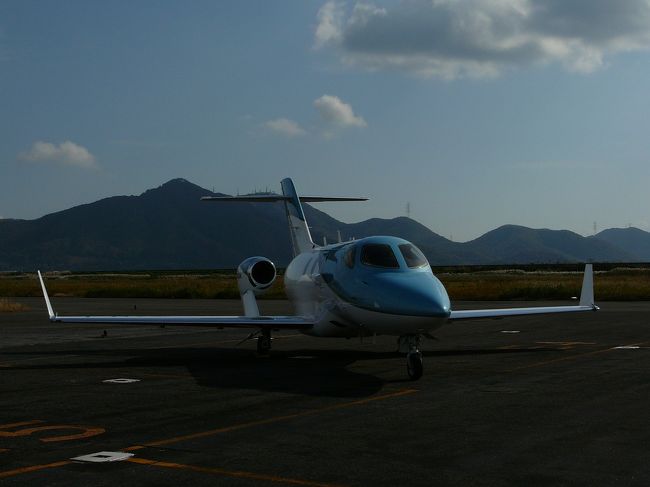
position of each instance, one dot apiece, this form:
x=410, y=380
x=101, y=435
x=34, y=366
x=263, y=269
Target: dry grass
x=614, y=285
x=7, y=306
x=178, y=286
x=618, y=284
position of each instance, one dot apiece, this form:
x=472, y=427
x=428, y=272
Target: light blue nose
x=410, y=293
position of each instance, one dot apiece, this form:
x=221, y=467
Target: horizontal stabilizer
x=272, y=198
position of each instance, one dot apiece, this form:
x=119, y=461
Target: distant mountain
x=631, y=240
x=517, y=244
x=170, y=228
x=163, y=228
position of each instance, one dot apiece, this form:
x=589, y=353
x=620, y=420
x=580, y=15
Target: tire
x=263, y=344
x=414, y=365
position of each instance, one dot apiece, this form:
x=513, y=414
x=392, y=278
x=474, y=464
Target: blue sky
x=478, y=113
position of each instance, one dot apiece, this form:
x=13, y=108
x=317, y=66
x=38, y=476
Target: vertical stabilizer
x=300, y=236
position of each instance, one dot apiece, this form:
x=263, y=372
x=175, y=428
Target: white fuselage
x=335, y=316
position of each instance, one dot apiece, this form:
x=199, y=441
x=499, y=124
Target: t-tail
x=301, y=240
x=298, y=229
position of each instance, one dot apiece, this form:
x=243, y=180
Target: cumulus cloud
x=285, y=127
x=479, y=38
x=330, y=18
x=66, y=153
x=334, y=111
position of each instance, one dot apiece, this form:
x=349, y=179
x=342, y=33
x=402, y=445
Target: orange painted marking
x=248, y=475
x=16, y=425
x=32, y=468
x=230, y=473
x=275, y=419
x=2, y=450
x=86, y=432
x=133, y=448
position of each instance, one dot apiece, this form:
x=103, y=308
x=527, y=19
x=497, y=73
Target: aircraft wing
x=274, y=322
x=586, y=304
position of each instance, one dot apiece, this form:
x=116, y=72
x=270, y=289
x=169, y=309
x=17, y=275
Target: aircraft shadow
x=305, y=371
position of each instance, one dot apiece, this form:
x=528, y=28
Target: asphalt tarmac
x=557, y=400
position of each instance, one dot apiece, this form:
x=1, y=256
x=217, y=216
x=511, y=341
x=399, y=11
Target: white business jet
x=370, y=286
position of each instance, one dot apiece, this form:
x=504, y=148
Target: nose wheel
x=414, y=365
x=411, y=345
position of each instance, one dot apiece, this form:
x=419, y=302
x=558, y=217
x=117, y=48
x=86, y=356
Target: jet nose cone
x=414, y=294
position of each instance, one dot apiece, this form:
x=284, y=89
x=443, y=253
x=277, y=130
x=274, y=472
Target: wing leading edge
x=275, y=322
x=586, y=304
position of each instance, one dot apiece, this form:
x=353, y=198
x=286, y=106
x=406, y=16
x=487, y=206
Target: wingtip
x=587, y=292
x=50, y=310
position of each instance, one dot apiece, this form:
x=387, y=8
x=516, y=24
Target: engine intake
x=255, y=274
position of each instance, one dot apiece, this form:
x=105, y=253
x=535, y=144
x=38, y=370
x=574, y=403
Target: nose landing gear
x=411, y=344
x=414, y=365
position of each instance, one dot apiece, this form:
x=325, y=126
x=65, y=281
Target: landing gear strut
x=410, y=344
x=264, y=342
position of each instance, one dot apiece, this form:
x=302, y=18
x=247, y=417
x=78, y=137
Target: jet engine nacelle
x=255, y=274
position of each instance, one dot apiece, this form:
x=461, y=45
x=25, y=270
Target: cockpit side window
x=379, y=255
x=349, y=257
x=413, y=256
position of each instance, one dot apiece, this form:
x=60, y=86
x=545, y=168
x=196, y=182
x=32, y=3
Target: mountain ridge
x=168, y=227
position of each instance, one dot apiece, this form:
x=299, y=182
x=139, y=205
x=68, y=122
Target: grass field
x=7, y=306
x=614, y=284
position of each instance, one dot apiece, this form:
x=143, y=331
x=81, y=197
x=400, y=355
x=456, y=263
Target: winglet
x=587, y=293
x=50, y=311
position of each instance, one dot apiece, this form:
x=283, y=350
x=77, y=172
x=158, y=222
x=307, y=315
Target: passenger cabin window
x=379, y=255
x=349, y=257
x=413, y=256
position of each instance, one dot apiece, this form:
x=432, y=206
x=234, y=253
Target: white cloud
x=482, y=38
x=334, y=111
x=330, y=18
x=284, y=126
x=66, y=153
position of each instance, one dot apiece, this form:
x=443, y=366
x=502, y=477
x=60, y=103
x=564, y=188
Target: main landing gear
x=264, y=342
x=410, y=344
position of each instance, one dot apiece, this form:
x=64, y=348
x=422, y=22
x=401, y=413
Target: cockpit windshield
x=412, y=255
x=379, y=255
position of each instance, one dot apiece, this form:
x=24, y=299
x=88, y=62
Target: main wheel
x=414, y=365
x=264, y=344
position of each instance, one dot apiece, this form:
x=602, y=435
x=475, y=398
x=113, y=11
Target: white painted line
x=627, y=347
x=120, y=381
x=510, y=331
x=104, y=456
